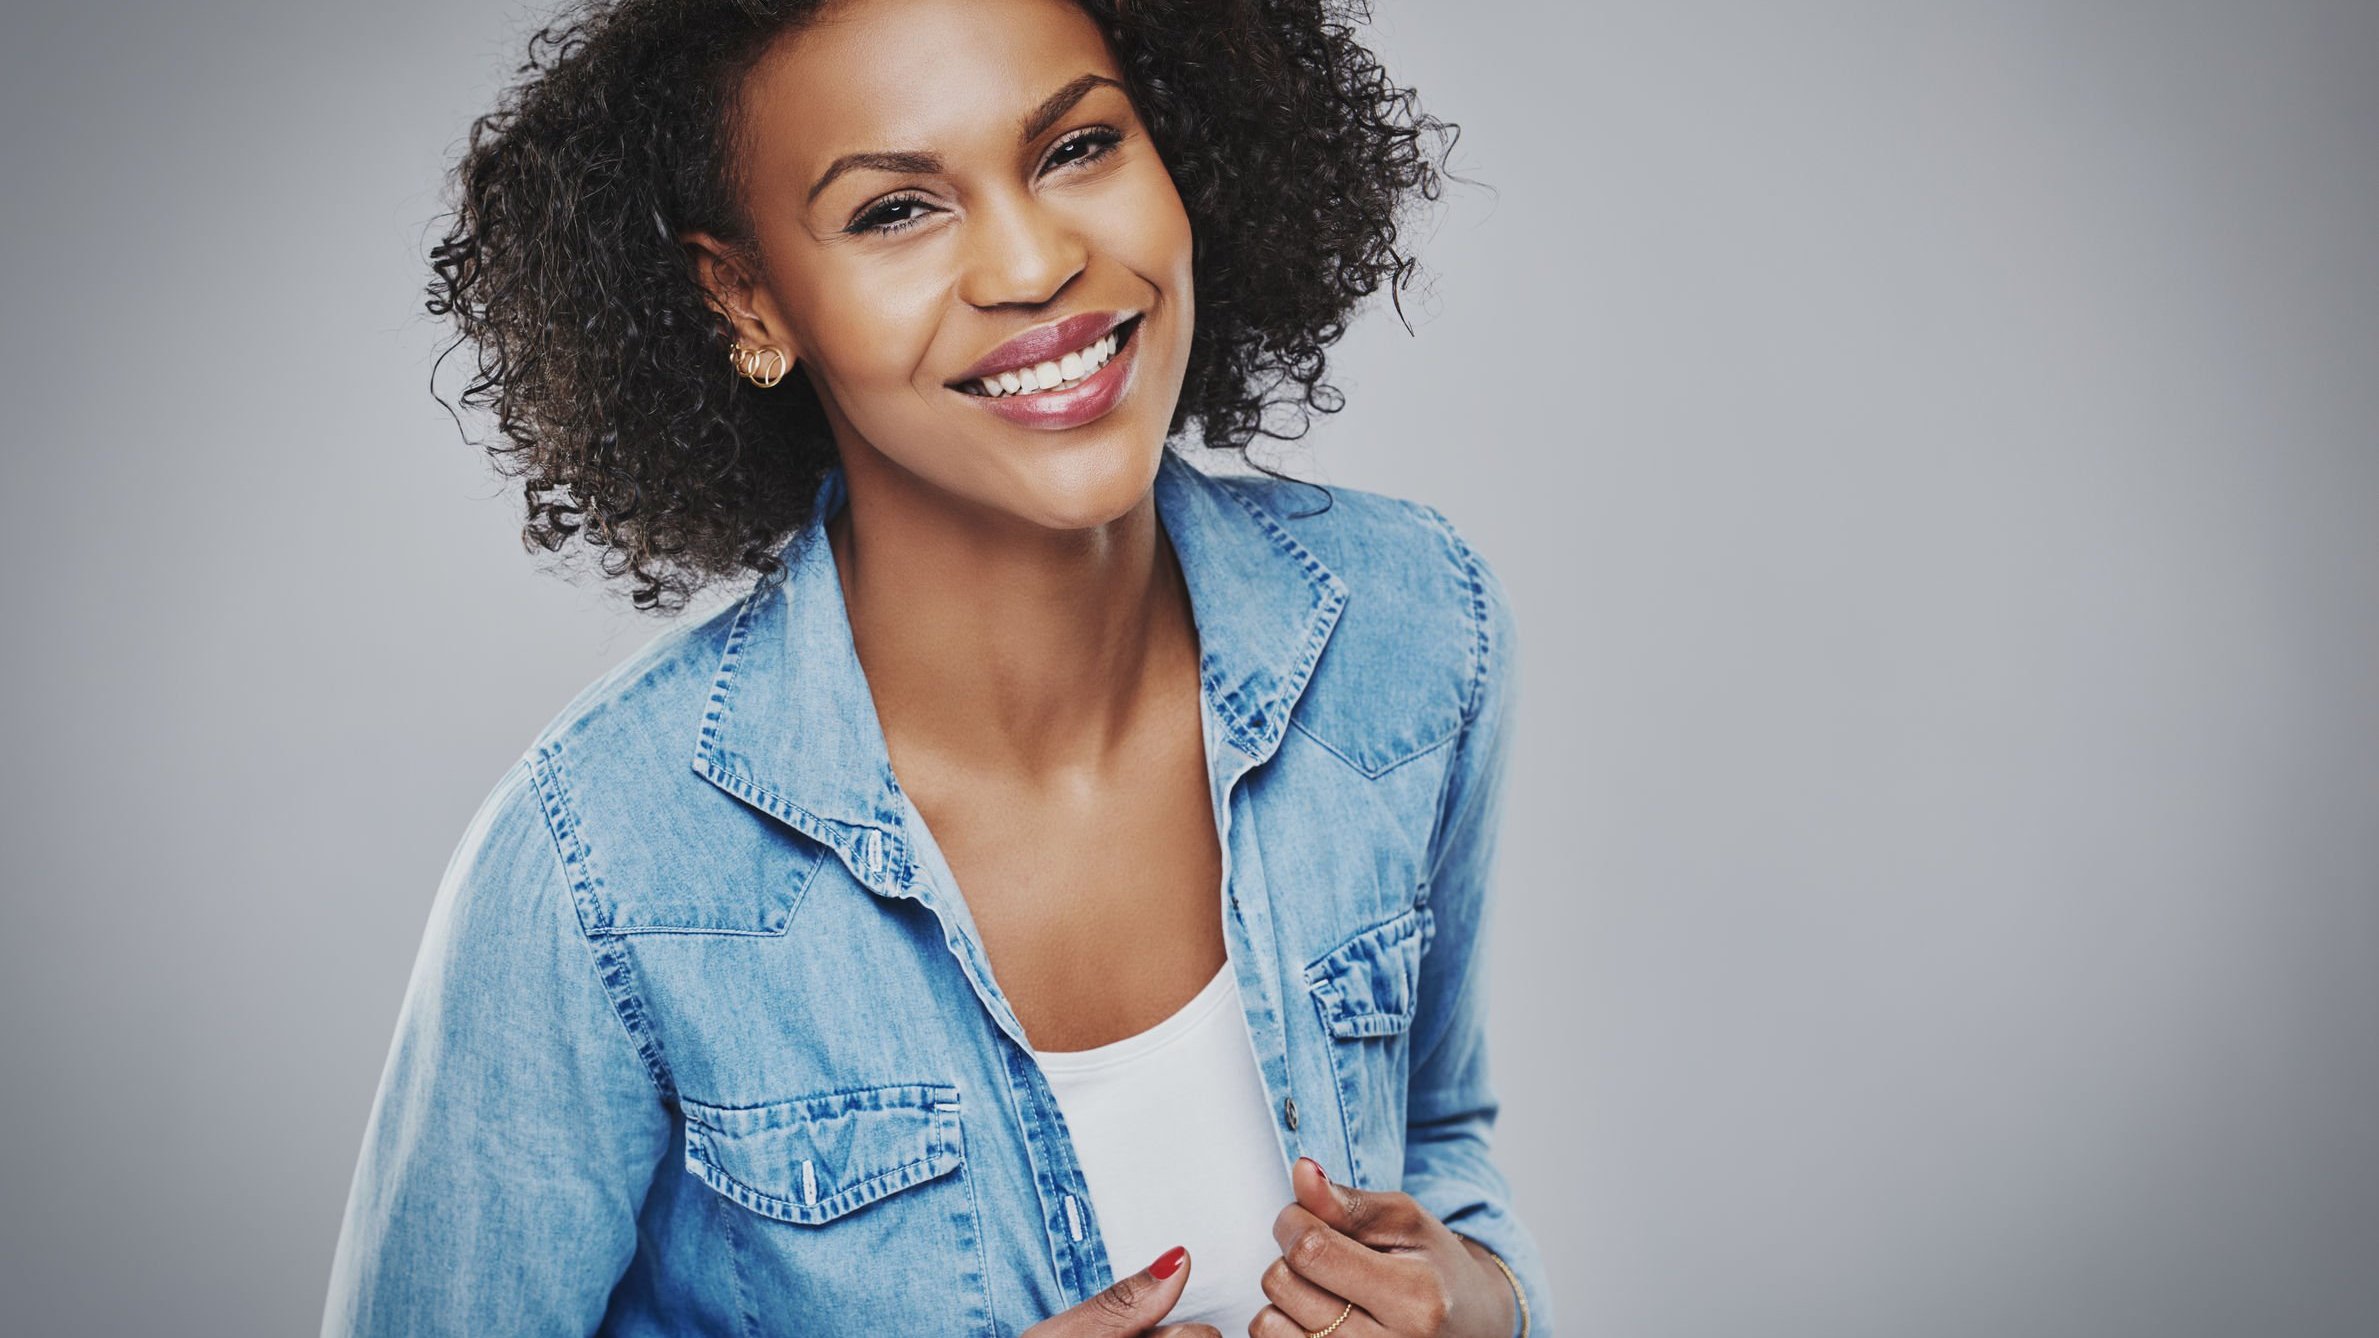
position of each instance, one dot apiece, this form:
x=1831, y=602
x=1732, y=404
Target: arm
x=1451, y=1100
x=516, y=1126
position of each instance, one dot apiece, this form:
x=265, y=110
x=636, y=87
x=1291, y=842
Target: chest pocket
x=820, y=1195
x=1366, y=990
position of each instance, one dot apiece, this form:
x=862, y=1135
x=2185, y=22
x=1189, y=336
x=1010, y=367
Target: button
x=1288, y=1108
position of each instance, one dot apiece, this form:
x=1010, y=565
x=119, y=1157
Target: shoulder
x=505, y=862
x=549, y=837
x=1426, y=629
x=655, y=698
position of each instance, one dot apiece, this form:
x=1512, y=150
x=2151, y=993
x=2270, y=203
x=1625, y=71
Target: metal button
x=1288, y=1107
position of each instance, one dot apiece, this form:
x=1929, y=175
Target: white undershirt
x=1175, y=1137
x=1174, y=1132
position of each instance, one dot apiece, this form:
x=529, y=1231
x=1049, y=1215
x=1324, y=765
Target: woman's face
x=929, y=179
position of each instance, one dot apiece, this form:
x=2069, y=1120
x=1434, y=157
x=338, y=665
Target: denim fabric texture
x=694, y=1045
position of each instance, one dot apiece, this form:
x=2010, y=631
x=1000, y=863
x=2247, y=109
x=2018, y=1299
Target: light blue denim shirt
x=694, y=1045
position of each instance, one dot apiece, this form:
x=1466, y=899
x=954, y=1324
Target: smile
x=1067, y=391
x=1056, y=374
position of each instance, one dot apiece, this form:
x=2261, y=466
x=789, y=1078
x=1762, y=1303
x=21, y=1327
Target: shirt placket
x=1077, y=1249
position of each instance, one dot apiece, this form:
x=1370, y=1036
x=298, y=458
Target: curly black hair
x=1296, y=158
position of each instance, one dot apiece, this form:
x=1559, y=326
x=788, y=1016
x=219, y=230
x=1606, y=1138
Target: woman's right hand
x=1130, y=1308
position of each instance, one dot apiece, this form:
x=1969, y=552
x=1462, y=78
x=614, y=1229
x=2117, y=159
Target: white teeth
x=1061, y=374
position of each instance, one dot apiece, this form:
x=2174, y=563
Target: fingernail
x=1317, y=1168
x=1167, y=1262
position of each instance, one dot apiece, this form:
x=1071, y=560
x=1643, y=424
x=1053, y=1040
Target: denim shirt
x=693, y=1044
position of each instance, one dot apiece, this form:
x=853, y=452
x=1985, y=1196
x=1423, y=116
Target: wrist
x=1502, y=1288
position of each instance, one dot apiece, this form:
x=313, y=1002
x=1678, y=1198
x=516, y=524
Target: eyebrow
x=920, y=161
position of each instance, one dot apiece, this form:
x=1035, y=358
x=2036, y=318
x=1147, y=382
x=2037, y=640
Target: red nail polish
x=1167, y=1262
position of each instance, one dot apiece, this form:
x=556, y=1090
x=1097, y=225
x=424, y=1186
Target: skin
x=1023, y=624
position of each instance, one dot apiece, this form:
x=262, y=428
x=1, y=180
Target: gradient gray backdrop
x=1933, y=450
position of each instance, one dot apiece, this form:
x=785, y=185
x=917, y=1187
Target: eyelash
x=1101, y=135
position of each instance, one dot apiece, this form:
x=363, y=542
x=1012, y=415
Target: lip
x=1056, y=409
x=1047, y=343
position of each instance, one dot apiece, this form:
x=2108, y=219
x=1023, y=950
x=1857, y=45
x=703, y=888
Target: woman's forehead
x=892, y=75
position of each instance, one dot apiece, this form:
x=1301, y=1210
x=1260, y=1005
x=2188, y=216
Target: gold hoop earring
x=747, y=360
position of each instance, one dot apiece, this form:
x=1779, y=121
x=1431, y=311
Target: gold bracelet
x=1514, y=1279
x=1517, y=1291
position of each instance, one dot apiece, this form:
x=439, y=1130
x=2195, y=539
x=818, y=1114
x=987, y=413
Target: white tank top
x=1174, y=1133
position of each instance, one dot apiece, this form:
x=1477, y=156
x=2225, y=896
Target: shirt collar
x=791, y=728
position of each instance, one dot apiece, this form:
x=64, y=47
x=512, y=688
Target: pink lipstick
x=1074, y=394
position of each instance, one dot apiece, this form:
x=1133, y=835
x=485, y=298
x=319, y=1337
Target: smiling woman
x=896, y=233
x=704, y=1034
x=1252, y=150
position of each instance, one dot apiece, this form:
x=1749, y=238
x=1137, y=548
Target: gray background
x=1933, y=450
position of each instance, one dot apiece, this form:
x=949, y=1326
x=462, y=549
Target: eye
x=882, y=216
x=1099, y=140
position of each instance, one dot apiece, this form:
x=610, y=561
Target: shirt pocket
x=846, y=1211
x=1366, y=991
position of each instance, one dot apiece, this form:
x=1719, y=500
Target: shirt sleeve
x=516, y=1127
x=1451, y=1102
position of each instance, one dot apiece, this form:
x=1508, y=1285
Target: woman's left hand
x=1408, y=1274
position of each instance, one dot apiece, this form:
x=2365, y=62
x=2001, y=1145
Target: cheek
x=1151, y=236
x=872, y=331
x=863, y=320
x=1154, y=228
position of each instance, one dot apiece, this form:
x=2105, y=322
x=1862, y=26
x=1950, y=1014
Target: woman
x=704, y=1036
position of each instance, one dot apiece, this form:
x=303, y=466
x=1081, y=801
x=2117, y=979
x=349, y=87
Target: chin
x=1081, y=490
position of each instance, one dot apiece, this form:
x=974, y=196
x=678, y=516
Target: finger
x=1375, y=1280
x=1131, y=1305
x=1378, y=1218
x=1331, y=1260
x=1273, y=1322
x=1308, y=1306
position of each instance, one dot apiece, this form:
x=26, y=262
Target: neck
x=996, y=647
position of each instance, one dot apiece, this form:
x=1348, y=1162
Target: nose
x=1020, y=251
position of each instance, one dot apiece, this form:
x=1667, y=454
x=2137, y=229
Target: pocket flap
x=1367, y=986
x=815, y=1158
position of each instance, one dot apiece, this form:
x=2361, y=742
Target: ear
x=733, y=288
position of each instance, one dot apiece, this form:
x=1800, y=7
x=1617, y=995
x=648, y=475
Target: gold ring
x=1350, y=1309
